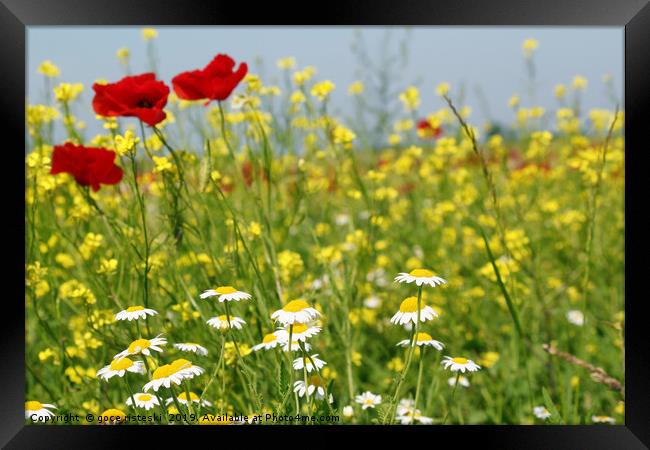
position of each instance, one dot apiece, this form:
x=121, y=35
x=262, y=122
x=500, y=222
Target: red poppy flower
x=427, y=131
x=215, y=82
x=90, y=166
x=140, y=96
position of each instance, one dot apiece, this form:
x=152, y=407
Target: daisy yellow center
x=225, y=290
x=144, y=397
x=421, y=273
x=368, y=401
x=33, y=405
x=424, y=337
x=315, y=381
x=164, y=371
x=460, y=360
x=121, y=364
x=224, y=318
x=193, y=396
x=191, y=344
x=181, y=364
x=299, y=328
x=113, y=412
x=410, y=305
x=139, y=345
x=295, y=306
x=134, y=308
x=269, y=338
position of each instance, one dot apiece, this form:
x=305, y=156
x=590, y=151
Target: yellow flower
x=513, y=102
x=149, y=34
x=410, y=98
x=344, y=136
x=48, y=69
x=396, y=364
x=579, y=83
x=126, y=144
x=107, y=266
x=162, y=164
x=322, y=90
x=442, y=89
x=529, y=46
x=489, y=359
x=291, y=265
x=123, y=55
x=286, y=63
x=356, y=88
x=66, y=92
x=560, y=91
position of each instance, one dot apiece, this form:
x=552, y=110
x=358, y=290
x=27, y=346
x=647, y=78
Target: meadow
x=233, y=243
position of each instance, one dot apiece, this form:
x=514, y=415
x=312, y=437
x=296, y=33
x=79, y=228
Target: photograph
x=325, y=225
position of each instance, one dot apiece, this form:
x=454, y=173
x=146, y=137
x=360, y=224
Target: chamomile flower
x=226, y=294
x=308, y=362
x=462, y=381
x=38, y=411
x=423, y=339
x=301, y=332
x=119, y=367
x=409, y=416
x=408, y=312
x=296, y=311
x=223, y=322
x=268, y=342
x=182, y=399
x=175, y=372
x=143, y=400
x=143, y=346
x=603, y=419
x=576, y=317
x=420, y=277
x=368, y=400
x=111, y=416
x=134, y=313
x=191, y=347
x=314, y=384
x=541, y=412
x=462, y=364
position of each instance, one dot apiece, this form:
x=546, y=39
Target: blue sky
x=485, y=57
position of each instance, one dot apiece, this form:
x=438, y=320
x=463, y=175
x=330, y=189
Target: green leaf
x=555, y=418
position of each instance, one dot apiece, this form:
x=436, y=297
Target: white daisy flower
x=420, y=276
x=143, y=346
x=423, y=339
x=368, y=400
x=226, y=294
x=462, y=381
x=575, y=317
x=408, y=417
x=143, y=400
x=300, y=332
x=268, y=342
x=308, y=362
x=541, y=412
x=221, y=322
x=372, y=302
x=314, y=384
x=182, y=399
x=404, y=405
x=175, y=372
x=408, y=312
x=134, y=313
x=296, y=311
x=38, y=411
x=603, y=419
x=191, y=347
x=462, y=364
x=119, y=367
x=295, y=346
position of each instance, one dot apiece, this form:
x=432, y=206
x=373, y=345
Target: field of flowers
x=229, y=248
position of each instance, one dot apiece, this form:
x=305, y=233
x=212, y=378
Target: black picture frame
x=632, y=15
